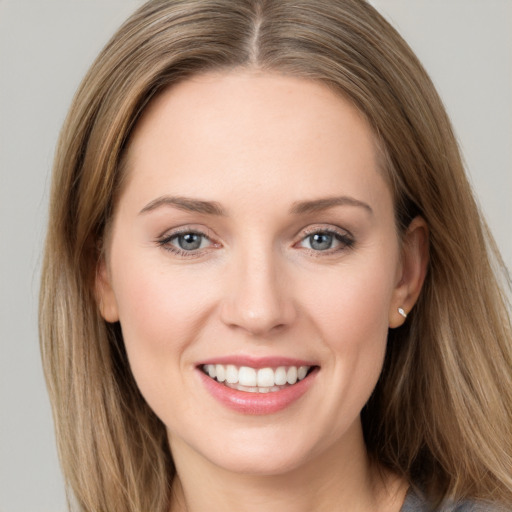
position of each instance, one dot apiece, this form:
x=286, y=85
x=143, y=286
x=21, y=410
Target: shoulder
x=416, y=502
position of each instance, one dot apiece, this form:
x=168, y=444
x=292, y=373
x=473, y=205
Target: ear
x=104, y=293
x=411, y=272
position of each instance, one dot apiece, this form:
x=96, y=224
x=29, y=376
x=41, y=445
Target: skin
x=256, y=144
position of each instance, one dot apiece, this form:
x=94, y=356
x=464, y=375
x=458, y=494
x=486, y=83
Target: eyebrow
x=214, y=208
x=302, y=207
x=185, y=203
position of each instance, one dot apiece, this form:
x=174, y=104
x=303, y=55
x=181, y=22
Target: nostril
x=255, y=322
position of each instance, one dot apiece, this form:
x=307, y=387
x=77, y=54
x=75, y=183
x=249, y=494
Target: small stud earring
x=402, y=312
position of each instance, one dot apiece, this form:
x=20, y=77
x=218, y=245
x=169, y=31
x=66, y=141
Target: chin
x=261, y=462
x=261, y=452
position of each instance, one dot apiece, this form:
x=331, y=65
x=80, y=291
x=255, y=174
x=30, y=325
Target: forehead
x=248, y=129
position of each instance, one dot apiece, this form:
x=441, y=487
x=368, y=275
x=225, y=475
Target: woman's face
x=255, y=240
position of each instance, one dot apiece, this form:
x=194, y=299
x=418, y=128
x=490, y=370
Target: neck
x=342, y=478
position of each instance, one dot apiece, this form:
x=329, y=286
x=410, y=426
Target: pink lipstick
x=257, y=386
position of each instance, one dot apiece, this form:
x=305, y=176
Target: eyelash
x=345, y=239
x=166, y=243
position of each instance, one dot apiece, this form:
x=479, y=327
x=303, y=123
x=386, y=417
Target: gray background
x=46, y=47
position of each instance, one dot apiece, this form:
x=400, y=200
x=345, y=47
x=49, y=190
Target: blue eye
x=326, y=241
x=189, y=241
x=321, y=241
x=185, y=243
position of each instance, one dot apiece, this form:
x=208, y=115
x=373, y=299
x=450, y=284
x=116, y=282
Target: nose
x=258, y=299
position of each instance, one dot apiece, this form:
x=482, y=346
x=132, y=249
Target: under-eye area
x=252, y=380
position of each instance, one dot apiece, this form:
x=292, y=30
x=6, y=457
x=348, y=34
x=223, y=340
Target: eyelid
x=344, y=236
x=323, y=228
x=315, y=228
x=164, y=241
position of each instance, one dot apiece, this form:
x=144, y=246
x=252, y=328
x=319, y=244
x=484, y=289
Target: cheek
x=161, y=313
x=351, y=314
x=354, y=302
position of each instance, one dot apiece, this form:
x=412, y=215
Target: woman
x=266, y=281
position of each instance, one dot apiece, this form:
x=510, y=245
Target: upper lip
x=257, y=362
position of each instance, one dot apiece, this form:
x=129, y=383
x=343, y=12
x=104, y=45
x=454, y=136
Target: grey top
x=415, y=502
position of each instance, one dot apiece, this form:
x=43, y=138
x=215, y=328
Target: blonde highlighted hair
x=441, y=414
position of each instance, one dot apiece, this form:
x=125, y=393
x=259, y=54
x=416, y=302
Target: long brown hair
x=441, y=414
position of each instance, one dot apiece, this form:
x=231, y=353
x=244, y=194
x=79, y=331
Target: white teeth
x=280, y=376
x=262, y=380
x=231, y=374
x=291, y=375
x=247, y=376
x=211, y=370
x=221, y=372
x=251, y=389
x=266, y=377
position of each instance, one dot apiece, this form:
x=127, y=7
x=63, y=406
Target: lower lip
x=257, y=403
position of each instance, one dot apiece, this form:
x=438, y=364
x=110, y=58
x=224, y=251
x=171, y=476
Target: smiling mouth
x=252, y=380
